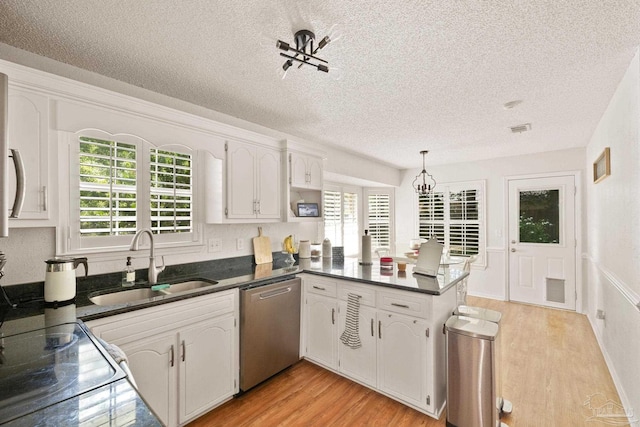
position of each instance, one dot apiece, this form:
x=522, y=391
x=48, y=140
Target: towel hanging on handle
x=351, y=336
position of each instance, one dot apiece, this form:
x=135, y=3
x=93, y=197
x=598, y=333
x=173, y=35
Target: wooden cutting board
x=262, y=248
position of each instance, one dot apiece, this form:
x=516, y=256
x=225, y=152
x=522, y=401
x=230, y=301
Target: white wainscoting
x=618, y=334
x=490, y=282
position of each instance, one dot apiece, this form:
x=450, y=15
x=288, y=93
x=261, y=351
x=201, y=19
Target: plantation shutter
x=350, y=223
x=108, y=181
x=379, y=219
x=454, y=214
x=431, y=216
x=171, y=192
x=465, y=221
x=333, y=217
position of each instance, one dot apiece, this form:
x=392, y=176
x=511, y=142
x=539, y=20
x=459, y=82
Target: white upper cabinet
x=28, y=132
x=253, y=182
x=306, y=171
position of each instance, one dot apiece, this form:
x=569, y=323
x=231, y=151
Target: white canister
x=304, y=249
x=326, y=248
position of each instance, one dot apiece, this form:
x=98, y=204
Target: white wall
x=489, y=282
x=612, y=256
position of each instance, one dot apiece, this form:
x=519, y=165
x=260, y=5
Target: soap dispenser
x=128, y=274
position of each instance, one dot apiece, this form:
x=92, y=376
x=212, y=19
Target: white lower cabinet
x=403, y=356
x=360, y=363
x=206, y=366
x=402, y=352
x=320, y=329
x=183, y=355
x=155, y=377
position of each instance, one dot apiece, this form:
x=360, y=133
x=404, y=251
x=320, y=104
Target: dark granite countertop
x=30, y=314
x=351, y=270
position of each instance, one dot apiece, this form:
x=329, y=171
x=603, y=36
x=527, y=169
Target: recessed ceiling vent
x=521, y=128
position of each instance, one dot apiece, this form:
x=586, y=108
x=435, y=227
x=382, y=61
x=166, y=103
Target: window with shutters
x=122, y=186
x=171, y=192
x=341, y=217
x=108, y=188
x=379, y=218
x=454, y=213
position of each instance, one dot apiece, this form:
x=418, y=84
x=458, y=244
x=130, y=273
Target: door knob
x=513, y=241
x=513, y=249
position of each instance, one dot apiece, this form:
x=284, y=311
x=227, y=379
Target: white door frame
x=577, y=175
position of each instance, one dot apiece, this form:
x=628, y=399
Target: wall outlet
x=214, y=245
x=239, y=244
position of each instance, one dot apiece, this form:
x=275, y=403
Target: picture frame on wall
x=602, y=166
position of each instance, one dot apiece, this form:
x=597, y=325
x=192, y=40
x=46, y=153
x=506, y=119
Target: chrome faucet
x=153, y=270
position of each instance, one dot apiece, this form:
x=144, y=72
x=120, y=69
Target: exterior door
x=542, y=241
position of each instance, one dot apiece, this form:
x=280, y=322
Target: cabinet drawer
x=408, y=303
x=367, y=294
x=320, y=287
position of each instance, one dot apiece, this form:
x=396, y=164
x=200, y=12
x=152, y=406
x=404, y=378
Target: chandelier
x=304, y=51
x=424, y=183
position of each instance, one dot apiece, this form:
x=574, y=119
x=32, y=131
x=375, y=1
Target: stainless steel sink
x=123, y=297
x=188, y=286
x=145, y=294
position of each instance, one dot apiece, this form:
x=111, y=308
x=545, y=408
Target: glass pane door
x=539, y=216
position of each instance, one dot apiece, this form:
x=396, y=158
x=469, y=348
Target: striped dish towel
x=351, y=337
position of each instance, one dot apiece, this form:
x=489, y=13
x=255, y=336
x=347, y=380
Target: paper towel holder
x=366, y=249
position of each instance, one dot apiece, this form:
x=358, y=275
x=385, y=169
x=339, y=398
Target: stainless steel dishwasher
x=269, y=330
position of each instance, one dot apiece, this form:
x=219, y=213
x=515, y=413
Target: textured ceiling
x=415, y=74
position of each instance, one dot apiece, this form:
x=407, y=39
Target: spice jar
x=316, y=250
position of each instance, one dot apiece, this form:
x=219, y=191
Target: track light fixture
x=304, y=51
x=424, y=182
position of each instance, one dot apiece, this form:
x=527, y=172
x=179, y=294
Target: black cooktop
x=42, y=367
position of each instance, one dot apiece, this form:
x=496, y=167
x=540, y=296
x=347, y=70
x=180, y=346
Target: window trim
x=68, y=240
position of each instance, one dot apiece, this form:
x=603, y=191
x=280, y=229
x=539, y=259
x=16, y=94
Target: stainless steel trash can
x=471, y=369
x=504, y=406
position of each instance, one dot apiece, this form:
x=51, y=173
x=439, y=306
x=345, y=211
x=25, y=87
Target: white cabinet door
x=241, y=178
x=314, y=169
x=206, y=366
x=306, y=171
x=320, y=334
x=268, y=184
x=153, y=363
x=299, y=171
x=253, y=182
x=28, y=132
x=403, y=358
x=360, y=363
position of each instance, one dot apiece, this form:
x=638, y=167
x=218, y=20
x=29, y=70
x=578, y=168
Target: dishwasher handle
x=275, y=292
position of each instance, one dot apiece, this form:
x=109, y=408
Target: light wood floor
x=551, y=365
